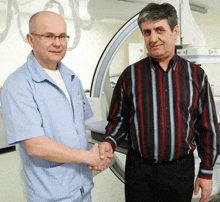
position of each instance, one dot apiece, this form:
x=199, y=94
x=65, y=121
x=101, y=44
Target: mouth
x=55, y=52
x=156, y=46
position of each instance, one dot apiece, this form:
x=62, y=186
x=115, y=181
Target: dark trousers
x=162, y=182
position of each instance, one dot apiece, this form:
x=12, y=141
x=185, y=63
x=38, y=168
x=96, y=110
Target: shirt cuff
x=112, y=143
x=205, y=173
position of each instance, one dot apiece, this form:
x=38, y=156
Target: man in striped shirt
x=165, y=106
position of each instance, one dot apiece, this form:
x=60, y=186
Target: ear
x=30, y=40
x=176, y=32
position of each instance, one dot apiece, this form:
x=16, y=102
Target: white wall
x=210, y=25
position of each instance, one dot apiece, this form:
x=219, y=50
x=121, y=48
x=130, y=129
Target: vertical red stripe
x=115, y=110
x=162, y=115
x=195, y=99
x=140, y=104
x=179, y=121
x=208, y=137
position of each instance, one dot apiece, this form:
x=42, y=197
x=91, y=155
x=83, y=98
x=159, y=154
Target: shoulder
x=18, y=79
x=196, y=68
x=137, y=65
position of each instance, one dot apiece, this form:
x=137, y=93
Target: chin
x=155, y=55
x=57, y=58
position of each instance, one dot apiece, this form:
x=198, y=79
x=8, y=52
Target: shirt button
x=168, y=126
x=82, y=190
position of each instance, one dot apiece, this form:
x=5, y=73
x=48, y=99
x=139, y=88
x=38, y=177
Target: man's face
x=49, y=53
x=159, y=39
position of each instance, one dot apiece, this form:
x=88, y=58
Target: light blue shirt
x=33, y=105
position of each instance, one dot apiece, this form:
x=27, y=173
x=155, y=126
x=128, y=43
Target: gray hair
x=155, y=11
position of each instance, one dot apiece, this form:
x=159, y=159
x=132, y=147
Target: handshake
x=100, y=156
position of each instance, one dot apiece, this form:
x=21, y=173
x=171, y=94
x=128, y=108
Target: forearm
x=51, y=150
x=208, y=155
x=208, y=132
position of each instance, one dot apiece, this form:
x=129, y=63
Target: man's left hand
x=206, y=187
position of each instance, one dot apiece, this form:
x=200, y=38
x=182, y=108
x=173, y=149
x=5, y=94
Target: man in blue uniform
x=44, y=109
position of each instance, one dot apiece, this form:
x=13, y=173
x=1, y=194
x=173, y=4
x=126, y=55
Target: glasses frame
x=53, y=38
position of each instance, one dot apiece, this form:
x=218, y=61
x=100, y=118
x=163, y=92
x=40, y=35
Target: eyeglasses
x=49, y=38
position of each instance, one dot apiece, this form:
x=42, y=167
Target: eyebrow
x=55, y=34
x=159, y=27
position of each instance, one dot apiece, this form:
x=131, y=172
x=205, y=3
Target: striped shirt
x=166, y=114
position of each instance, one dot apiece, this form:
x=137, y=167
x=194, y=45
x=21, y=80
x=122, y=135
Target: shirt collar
x=172, y=63
x=38, y=73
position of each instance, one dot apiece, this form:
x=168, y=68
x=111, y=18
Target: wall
x=210, y=25
x=82, y=60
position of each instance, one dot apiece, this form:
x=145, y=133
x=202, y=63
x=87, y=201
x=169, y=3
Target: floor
x=12, y=189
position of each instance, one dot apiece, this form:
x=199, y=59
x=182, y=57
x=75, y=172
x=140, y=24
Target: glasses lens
x=63, y=38
x=49, y=38
x=67, y=38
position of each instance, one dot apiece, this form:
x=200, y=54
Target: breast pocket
x=79, y=107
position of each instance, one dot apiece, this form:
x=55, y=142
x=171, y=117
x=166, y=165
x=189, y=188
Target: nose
x=56, y=41
x=153, y=37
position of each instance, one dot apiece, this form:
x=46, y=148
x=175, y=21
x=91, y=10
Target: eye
x=48, y=36
x=62, y=37
x=146, y=32
x=159, y=30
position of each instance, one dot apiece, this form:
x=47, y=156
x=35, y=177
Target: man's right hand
x=105, y=154
x=105, y=150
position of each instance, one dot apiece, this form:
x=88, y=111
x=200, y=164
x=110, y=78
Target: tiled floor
x=12, y=189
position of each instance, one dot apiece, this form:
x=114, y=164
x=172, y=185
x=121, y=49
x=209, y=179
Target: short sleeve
x=22, y=119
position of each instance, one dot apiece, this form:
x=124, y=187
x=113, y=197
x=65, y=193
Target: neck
x=50, y=66
x=164, y=62
x=46, y=65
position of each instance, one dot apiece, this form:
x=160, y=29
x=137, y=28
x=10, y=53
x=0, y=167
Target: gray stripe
x=121, y=105
x=116, y=129
x=113, y=140
x=135, y=109
x=190, y=104
x=206, y=171
x=212, y=126
x=200, y=101
x=120, y=123
x=172, y=123
x=155, y=115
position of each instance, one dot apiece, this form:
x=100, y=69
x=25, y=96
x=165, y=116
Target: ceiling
x=102, y=9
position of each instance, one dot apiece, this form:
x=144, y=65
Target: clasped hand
x=102, y=154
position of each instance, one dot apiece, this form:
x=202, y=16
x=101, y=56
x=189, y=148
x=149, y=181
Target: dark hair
x=155, y=11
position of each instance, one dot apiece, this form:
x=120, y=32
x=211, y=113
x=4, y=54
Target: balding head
x=37, y=20
x=47, y=52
